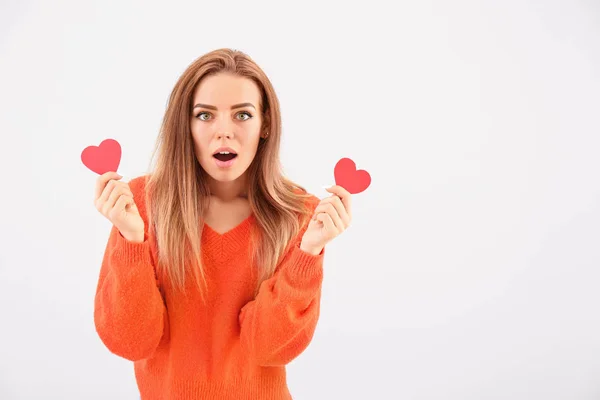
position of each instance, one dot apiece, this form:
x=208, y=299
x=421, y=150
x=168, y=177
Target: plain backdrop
x=471, y=270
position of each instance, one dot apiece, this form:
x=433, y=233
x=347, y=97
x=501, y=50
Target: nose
x=224, y=134
x=225, y=129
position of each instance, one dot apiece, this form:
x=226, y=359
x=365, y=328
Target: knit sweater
x=235, y=346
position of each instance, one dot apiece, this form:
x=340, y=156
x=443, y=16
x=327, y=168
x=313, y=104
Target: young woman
x=211, y=278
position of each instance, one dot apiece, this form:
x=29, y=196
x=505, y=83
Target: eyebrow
x=232, y=107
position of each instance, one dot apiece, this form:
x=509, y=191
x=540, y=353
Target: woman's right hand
x=114, y=200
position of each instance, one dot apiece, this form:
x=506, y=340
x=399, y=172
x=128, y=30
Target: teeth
x=224, y=152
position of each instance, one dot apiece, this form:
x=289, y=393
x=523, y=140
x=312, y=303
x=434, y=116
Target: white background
x=472, y=266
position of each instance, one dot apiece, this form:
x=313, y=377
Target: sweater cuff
x=306, y=266
x=127, y=252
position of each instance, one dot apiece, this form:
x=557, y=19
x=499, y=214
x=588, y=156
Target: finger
x=329, y=209
x=111, y=185
x=122, y=189
x=344, y=195
x=121, y=205
x=341, y=210
x=110, y=195
x=327, y=223
x=103, y=180
x=334, y=205
x=320, y=208
x=117, y=193
x=108, y=188
x=335, y=217
x=126, y=188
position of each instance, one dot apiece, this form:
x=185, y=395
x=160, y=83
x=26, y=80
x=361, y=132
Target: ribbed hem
x=260, y=388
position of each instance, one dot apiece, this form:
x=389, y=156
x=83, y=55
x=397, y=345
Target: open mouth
x=225, y=156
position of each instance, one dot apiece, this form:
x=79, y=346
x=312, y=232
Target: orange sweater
x=235, y=347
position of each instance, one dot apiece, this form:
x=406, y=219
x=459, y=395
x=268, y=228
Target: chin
x=225, y=177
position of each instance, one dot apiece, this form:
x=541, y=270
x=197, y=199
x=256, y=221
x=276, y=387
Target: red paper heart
x=103, y=158
x=349, y=178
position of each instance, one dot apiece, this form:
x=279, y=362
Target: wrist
x=310, y=249
x=134, y=238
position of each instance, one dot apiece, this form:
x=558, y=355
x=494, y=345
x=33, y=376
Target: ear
x=265, y=130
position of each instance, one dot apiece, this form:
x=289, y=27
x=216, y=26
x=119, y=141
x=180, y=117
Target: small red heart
x=349, y=178
x=103, y=158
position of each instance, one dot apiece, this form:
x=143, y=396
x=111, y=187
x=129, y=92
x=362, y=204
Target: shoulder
x=310, y=200
x=138, y=184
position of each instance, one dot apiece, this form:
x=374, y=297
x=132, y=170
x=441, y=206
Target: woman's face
x=226, y=114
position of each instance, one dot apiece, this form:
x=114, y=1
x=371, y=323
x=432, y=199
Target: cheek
x=253, y=135
x=250, y=144
x=200, y=145
x=199, y=136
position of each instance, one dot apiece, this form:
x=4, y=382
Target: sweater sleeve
x=129, y=311
x=278, y=325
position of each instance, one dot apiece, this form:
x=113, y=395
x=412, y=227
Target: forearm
x=129, y=312
x=279, y=324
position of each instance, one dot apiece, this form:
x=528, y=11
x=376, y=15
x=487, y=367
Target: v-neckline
x=220, y=247
x=231, y=231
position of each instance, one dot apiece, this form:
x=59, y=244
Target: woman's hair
x=177, y=190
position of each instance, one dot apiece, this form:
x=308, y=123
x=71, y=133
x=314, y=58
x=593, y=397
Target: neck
x=229, y=191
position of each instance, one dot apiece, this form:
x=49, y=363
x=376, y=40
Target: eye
x=199, y=116
x=247, y=113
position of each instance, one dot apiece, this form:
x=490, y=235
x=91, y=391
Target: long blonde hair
x=177, y=191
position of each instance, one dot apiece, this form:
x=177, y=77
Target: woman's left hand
x=332, y=216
